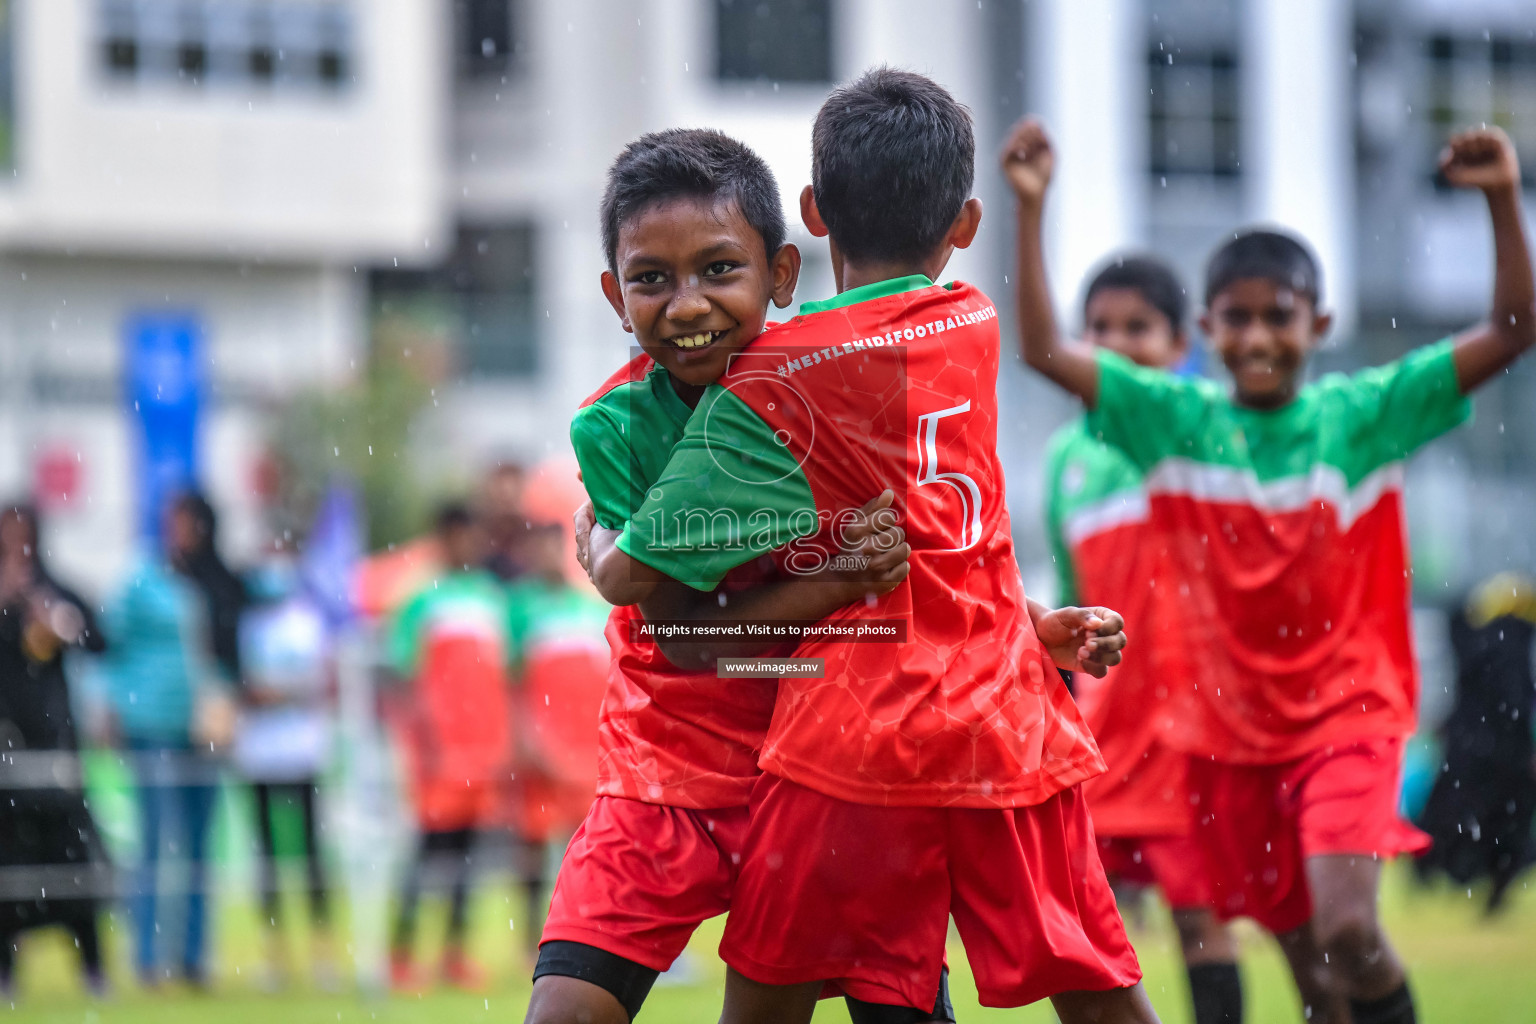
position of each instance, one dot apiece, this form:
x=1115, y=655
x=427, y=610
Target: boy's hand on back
x=1482, y=158
x=1083, y=639
x=583, y=520
x=1029, y=160
x=873, y=541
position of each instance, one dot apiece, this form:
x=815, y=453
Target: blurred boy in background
x=561, y=666
x=450, y=647
x=1107, y=553
x=1282, y=503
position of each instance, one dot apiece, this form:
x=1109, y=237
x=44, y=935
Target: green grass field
x=1464, y=968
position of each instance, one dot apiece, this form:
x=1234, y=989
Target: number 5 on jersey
x=928, y=473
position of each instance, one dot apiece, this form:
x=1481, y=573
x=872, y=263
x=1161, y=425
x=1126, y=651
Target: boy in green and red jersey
x=560, y=663
x=1108, y=553
x=1282, y=508
x=450, y=644
x=920, y=778
x=694, y=235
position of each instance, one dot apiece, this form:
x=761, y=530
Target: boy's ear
x=1181, y=339
x=785, y=268
x=963, y=231
x=810, y=215
x=1322, y=323
x=1205, y=323
x=615, y=296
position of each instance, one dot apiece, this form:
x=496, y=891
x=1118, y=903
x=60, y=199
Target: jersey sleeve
x=1055, y=525
x=731, y=492
x=1146, y=414
x=609, y=470
x=403, y=642
x=1402, y=406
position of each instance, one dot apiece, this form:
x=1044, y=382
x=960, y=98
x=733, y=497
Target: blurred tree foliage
x=364, y=432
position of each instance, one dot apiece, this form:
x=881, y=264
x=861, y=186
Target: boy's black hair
x=683, y=162
x=1268, y=255
x=1148, y=276
x=453, y=515
x=893, y=159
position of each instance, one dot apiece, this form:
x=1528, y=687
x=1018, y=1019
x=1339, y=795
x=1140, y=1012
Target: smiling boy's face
x=693, y=284
x=1264, y=333
x=1123, y=321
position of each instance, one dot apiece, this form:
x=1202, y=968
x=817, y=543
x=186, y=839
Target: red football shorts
x=638, y=878
x=861, y=896
x=1258, y=824
x=1175, y=864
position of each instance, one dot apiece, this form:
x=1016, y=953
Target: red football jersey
x=665, y=736
x=892, y=385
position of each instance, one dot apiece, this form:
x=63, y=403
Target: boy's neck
x=851, y=275
x=689, y=393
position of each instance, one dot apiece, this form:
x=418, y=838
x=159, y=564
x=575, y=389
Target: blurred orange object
x=386, y=579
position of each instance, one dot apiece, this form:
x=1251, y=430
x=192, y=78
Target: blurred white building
x=296, y=172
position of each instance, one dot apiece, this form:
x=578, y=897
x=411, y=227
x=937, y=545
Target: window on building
x=1481, y=79
x=232, y=43
x=486, y=39
x=782, y=41
x=1194, y=112
x=481, y=300
x=7, y=89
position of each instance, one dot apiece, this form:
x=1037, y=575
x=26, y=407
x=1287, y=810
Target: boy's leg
x=1322, y=999
x=455, y=850
x=319, y=904
x=1347, y=821
x=153, y=796
x=266, y=873
x=1037, y=915
x=197, y=804
x=636, y=881
x=1349, y=932
x=1117, y=1006
x=1177, y=865
x=403, y=938
x=752, y=1002
x=1210, y=961
x=832, y=891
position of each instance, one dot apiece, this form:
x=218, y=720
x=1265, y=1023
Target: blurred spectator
x=449, y=646
x=284, y=739
x=168, y=711
x=562, y=669
x=51, y=860
x=1480, y=809
x=196, y=556
x=501, y=512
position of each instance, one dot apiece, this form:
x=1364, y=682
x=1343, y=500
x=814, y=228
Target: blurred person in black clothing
x=195, y=554
x=1479, y=811
x=52, y=867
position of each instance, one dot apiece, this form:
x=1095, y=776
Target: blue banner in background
x=164, y=385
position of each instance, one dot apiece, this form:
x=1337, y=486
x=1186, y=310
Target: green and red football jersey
x=1107, y=553
x=451, y=641
x=1286, y=529
x=891, y=385
x=666, y=736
